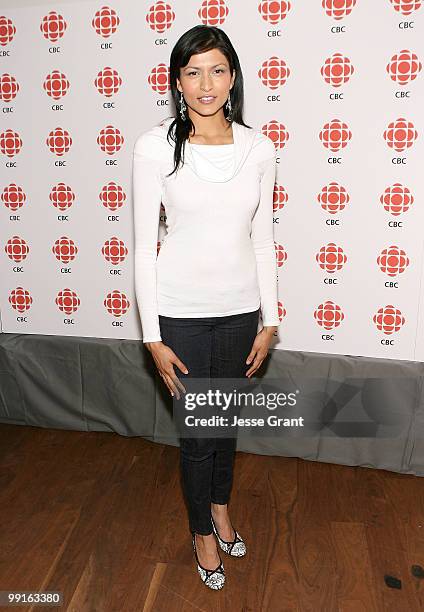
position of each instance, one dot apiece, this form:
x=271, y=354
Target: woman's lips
x=207, y=99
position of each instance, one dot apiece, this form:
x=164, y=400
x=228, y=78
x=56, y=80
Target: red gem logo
x=64, y=249
x=404, y=67
x=16, y=249
x=110, y=140
x=53, y=26
x=388, y=319
x=333, y=198
x=213, y=12
x=281, y=254
x=9, y=87
x=277, y=132
x=20, y=299
x=393, y=260
x=112, y=196
x=7, y=30
x=67, y=301
x=400, y=134
x=159, y=79
x=406, y=7
x=160, y=17
x=13, y=196
x=105, y=21
x=273, y=11
x=108, y=82
x=59, y=141
x=396, y=199
x=62, y=196
x=10, y=143
x=335, y=135
x=274, y=72
x=329, y=315
x=338, y=9
x=114, y=250
x=331, y=258
x=116, y=303
x=337, y=70
x=56, y=85
x=280, y=198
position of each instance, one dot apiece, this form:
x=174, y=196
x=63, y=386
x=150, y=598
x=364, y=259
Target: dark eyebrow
x=197, y=67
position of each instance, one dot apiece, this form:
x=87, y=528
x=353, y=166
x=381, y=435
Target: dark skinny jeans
x=210, y=347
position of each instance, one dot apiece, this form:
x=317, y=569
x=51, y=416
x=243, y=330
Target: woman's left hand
x=259, y=349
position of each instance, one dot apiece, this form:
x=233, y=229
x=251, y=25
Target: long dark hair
x=200, y=39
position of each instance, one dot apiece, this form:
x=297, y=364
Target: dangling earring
x=229, y=117
x=183, y=107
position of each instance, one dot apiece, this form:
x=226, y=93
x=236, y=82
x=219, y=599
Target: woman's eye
x=217, y=70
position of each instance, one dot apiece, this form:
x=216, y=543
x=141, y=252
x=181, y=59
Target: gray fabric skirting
x=372, y=410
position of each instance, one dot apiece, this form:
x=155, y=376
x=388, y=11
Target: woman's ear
x=233, y=78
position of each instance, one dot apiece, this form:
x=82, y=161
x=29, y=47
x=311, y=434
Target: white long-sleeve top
x=218, y=256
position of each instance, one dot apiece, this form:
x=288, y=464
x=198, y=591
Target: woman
x=201, y=296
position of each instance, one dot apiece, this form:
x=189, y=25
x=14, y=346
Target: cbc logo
x=113, y=197
x=337, y=70
x=335, y=135
x=406, y=7
x=400, y=134
x=9, y=87
x=158, y=79
x=108, y=81
x=16, y=249
x=13, y=196
x=160, y=17
x=404, y=67
x=110, y=140
x=276, y=132
x=56, y=85
x=389, y=320
x=7, y=30
x=274, y=12
x=281, y=311
x=105, y=22
x=20, y=299
x=114, y=250
x=338, y=9
x=62, y=196
x=53, y=26
x=393, y=260
x=213, y=12
x=117, y=304
x=280, y=198
x=331, y=258
x=328, y=315
x=274, y=72
x=59, y=141
x=281, y=254
x=10, y=143
x=67, y=301
x=64, y=249
x=396, y=199
x=333, y=198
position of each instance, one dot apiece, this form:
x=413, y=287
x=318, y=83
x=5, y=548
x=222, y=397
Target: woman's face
x=206, y=75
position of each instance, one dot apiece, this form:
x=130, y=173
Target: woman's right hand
x=164, y=358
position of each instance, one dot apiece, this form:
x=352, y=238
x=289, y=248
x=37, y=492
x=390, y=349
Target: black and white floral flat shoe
x=213, y=578
x=236, y=548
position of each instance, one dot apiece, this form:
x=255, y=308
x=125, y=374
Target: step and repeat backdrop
x=336, y=84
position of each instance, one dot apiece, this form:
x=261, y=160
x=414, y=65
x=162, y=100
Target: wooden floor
x=101, y=518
